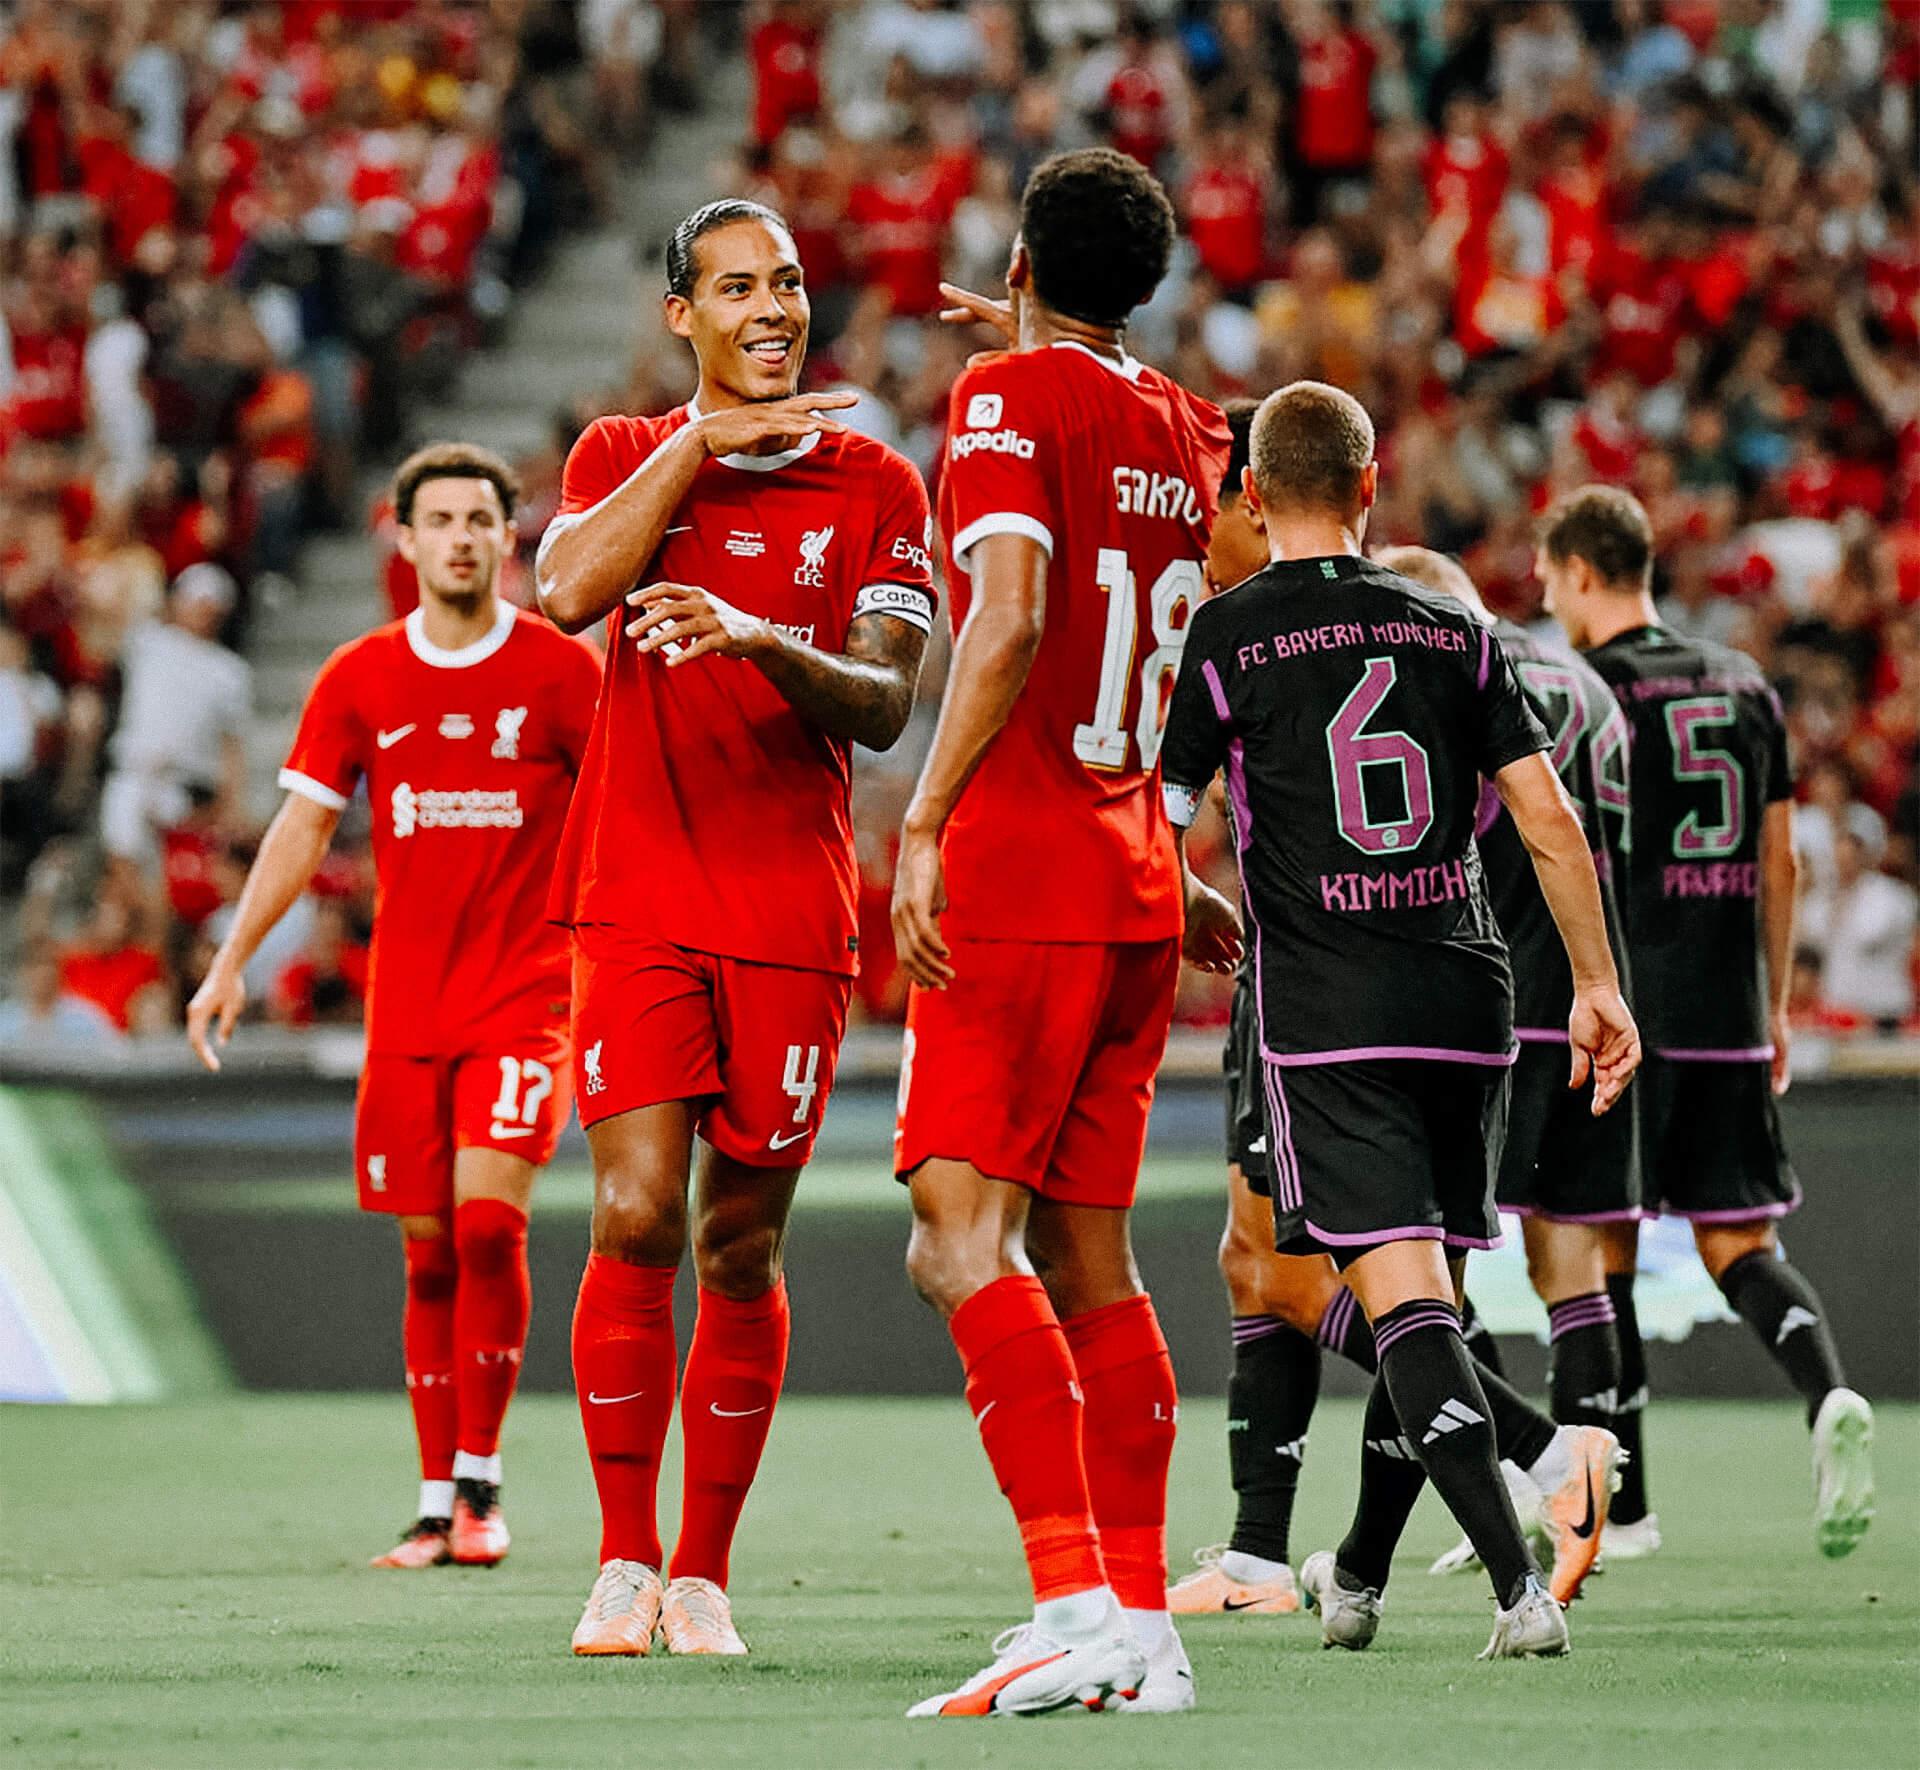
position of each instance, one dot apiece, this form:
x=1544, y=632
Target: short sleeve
x=596, y=467
x=898, y=577
x=328, y=755
x=999, y=479
x=1779, y=761
x=1509, y=727
x=1199, y=726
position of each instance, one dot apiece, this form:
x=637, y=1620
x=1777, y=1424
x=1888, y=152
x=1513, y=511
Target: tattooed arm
x=863, y=694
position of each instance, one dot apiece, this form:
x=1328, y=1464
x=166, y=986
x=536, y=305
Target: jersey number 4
x=1105, y=740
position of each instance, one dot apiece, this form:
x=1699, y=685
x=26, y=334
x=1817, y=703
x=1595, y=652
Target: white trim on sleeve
x=1182, y=803
x=293, y=781
x=1000, y=522
x=905, y=602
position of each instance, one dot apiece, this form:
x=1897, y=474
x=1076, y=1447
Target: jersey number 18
x=1104, y=741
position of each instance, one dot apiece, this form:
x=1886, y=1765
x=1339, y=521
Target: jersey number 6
x=1102, y=743
x=1352, y=749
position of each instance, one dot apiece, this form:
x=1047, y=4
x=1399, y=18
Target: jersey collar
x=467, y=655
x=1128, y=368
x=760, y=463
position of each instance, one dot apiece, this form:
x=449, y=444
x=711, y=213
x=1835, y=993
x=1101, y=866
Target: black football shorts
x=1710, y=1144
x=1246, y=1102
x=1560, y=1162
x=1384, y=1149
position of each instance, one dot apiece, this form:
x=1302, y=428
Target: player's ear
x=1250, y=496
x=678, y=313
x=408, y=551
x=1369, y=484
x=1019, y=266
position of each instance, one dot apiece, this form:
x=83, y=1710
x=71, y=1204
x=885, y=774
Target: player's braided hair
x=682, y=272
x=1099, y=232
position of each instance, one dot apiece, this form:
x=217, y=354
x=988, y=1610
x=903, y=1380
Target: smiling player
x=784, y=597
x=468, y=722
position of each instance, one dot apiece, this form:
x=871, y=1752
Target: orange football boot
x=1209, y=1590
x=479, y=1536
x=425, y=1545
x=1575, y=1513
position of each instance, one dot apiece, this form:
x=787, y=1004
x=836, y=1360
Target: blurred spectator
x=1862, y=929
x=325, y=983
x=183, y=720
x=42, y=1011
x=112, y=963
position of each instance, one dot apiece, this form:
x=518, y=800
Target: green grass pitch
x=182, y=1587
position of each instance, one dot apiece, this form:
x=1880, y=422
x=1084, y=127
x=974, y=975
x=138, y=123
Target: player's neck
x=1620, y=614
x=453, y=623
x=1309, y=537
x=1041, y=327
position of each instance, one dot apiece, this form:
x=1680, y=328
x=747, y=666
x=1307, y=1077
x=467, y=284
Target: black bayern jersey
x=1355, y=714
x=1709, y=749
x=1588, y=733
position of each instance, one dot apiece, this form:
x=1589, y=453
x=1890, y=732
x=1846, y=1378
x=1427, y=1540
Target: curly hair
x=452, y=460
x=1099, y=233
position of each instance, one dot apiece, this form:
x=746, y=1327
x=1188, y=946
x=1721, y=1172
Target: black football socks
x=1583, y=1361
x=1775, y=1300
x=1270, y=1400
x=1630, y=1503
x=1447, y=1422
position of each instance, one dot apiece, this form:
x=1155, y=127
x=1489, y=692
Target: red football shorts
x=414, y=1112
x=758, y=1043
x=1036, y=1064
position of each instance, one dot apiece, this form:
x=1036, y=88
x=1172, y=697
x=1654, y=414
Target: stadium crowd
x=238, y=245
x=1665, y=243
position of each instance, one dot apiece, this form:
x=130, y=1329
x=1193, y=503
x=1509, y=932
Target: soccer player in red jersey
x=769, y=576
x=468, y=722
x=1080, y=486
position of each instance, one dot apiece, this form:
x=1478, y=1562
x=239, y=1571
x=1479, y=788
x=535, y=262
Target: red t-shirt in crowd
x=1139, y=110
x=710, y=813
x=900, y=225
x=50, y=383
x=111, y=980
x=1333, y=121
x=1467, y=174
x=1115, y=470
x=469, y=758
x=1226, y=210
x=786, y=75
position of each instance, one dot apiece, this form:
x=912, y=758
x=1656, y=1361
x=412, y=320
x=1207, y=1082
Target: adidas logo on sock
x=1606, y=1402
x=1294, y=1450
x=1454, y=1416
x=1396, y=1448
x=1793, y=1321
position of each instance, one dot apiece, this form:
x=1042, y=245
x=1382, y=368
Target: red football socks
x=1127, y=1378
x=426, y=1343
x=490, y=1313
x=624, y=1360
x=734, y=1370
x=1021, y=1387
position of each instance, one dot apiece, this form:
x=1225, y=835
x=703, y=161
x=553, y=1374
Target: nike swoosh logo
x=776, y=1141
x=387, y=739
x=609, y=1400
x=732, y=1413
x=1243, y=1604
x=504, y=1131
x=980, y=1419
x=1583, y=1531
x=686, y=528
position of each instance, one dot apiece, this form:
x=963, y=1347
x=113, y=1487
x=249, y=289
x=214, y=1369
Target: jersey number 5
x=1697, y=838
x=1103, y=742
x=1352, y=749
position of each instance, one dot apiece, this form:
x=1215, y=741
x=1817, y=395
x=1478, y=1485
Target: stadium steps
x=577, y=330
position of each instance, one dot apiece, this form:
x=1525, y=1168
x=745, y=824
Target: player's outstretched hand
x=737, y=429
x=919, y=900
x=1782, y=1036
x=1213, y=940
x=1606, y=1043
x=215, y=1007
x=964, y=308
x=687, y=622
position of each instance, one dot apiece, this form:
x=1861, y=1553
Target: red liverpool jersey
x=469, y=758
x=1115, y=470
x=710, y=813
